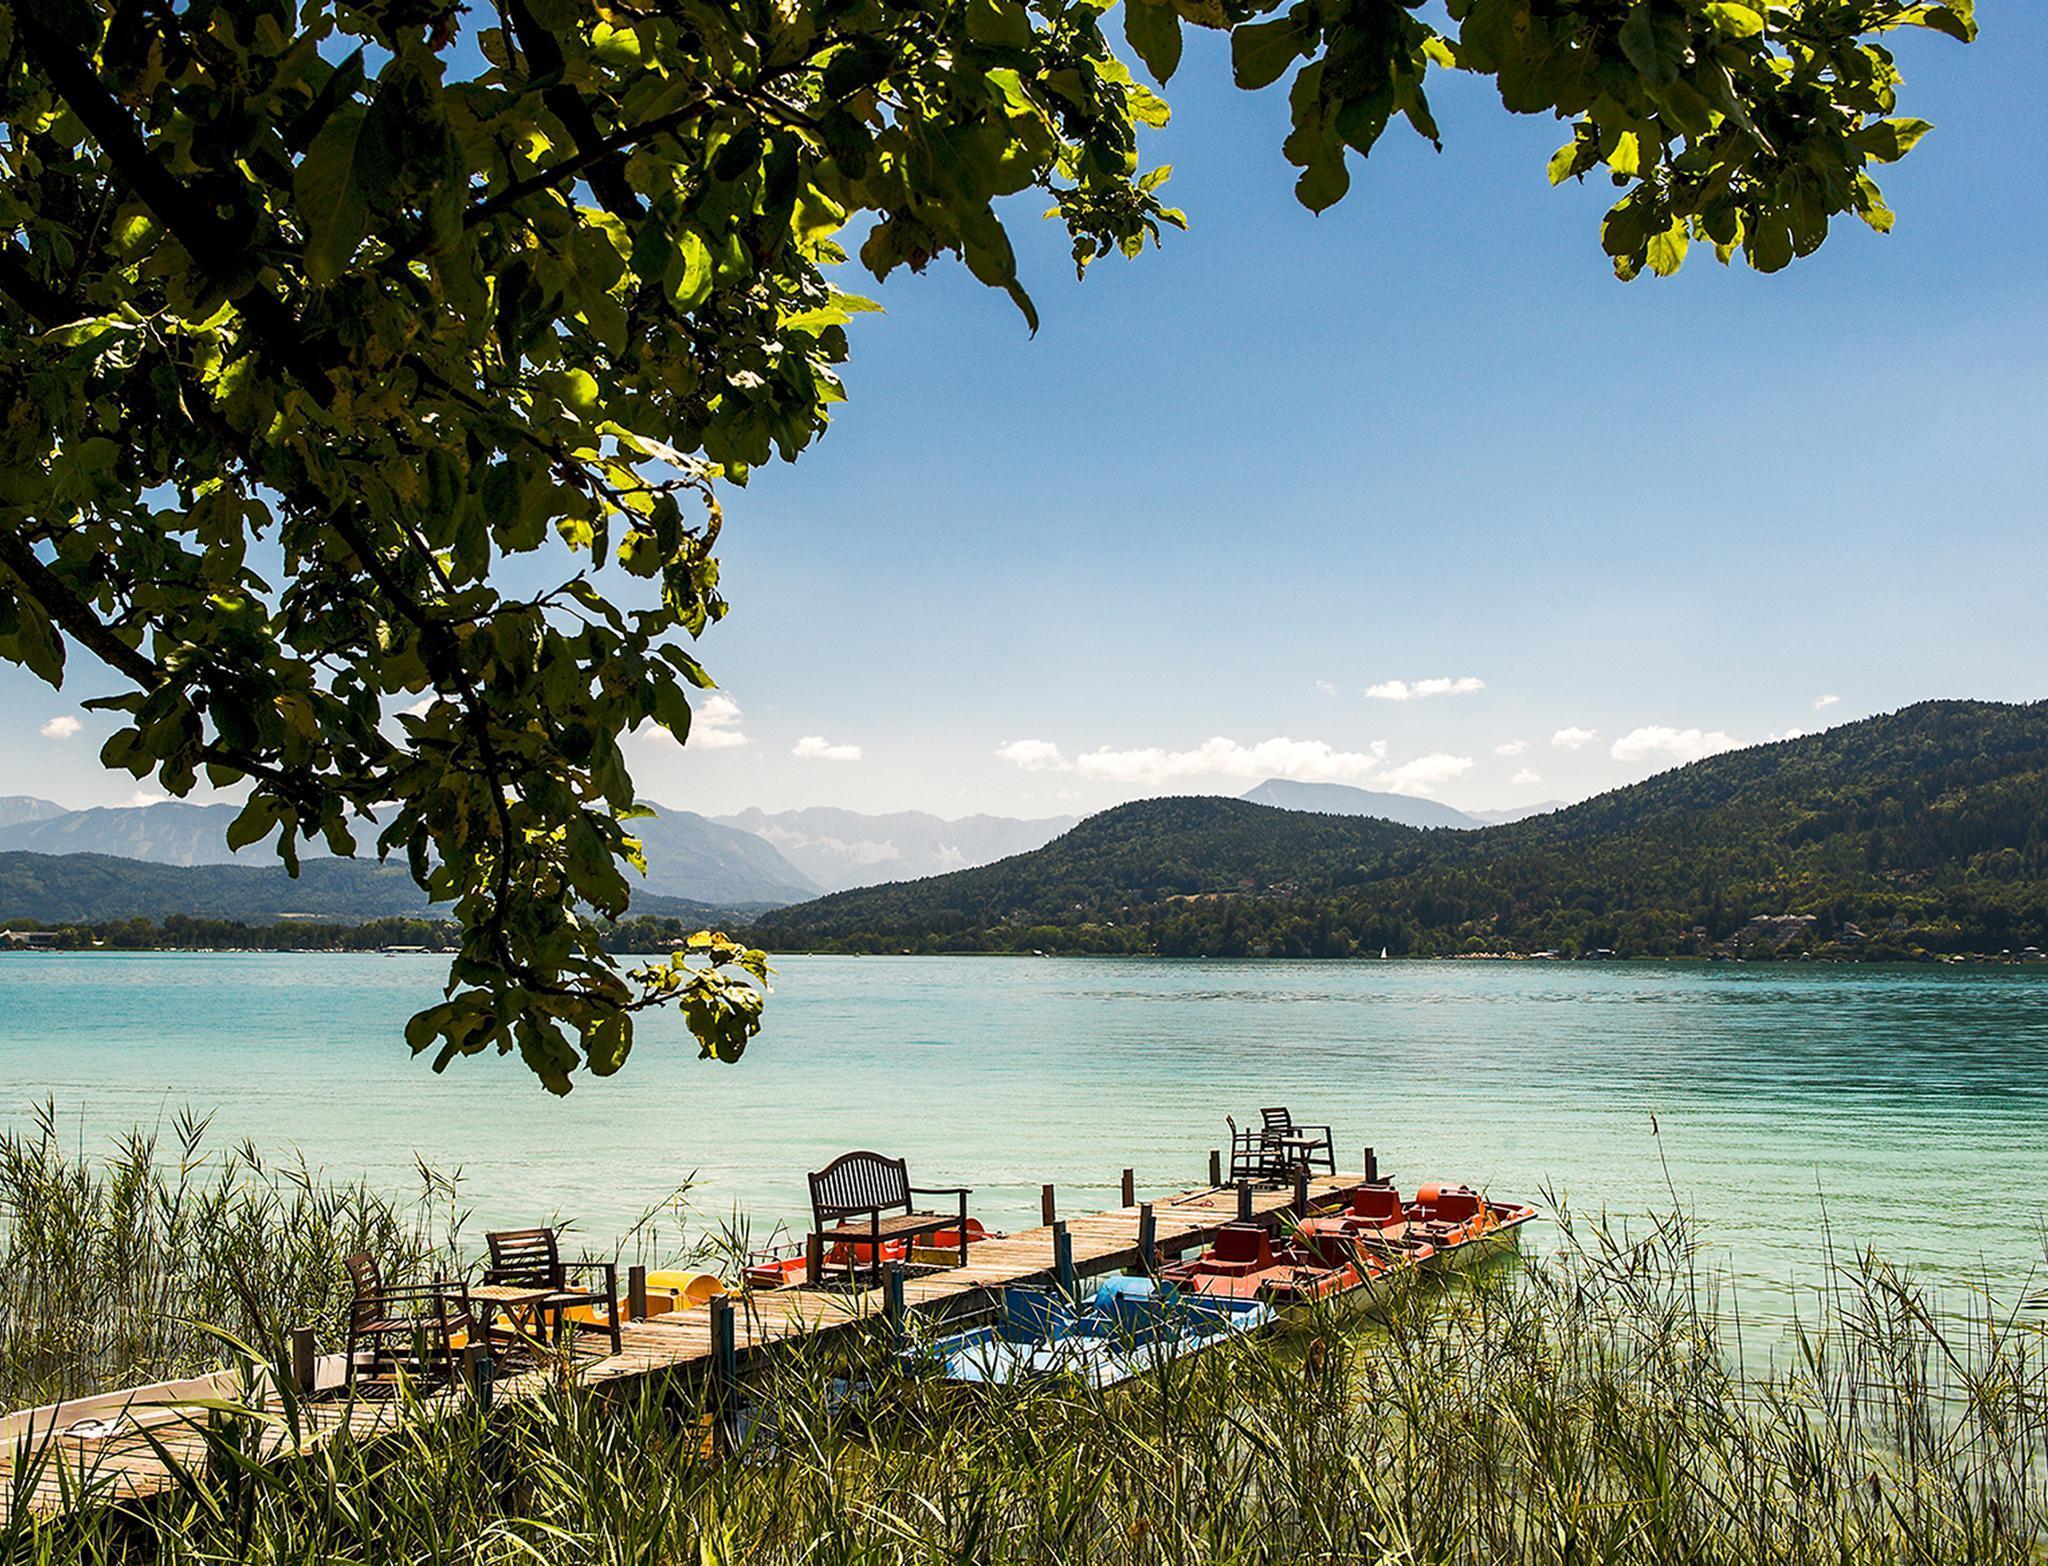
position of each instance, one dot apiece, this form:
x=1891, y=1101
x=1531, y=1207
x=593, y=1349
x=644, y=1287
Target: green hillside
x=1921, y=831
x=1158, y=852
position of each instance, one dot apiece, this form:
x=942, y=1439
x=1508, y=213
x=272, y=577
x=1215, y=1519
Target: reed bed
x=109, y=1262
x=1594, y=1404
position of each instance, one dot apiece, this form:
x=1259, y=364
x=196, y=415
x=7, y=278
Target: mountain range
x=105, y=862
x=838, y=849
x=1920, y=832
x=688, y=856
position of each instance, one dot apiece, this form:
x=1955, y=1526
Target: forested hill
x=1150, y=853
x=1918, y=832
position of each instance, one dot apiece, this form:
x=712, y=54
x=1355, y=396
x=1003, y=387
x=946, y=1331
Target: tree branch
x=73, y=614
x=544, y=58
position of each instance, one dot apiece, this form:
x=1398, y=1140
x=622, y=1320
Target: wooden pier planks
x=128, y=1468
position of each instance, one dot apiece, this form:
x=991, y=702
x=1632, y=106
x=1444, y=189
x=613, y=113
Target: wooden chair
x=864, y=1199
x=532, y=1258
x=1310, y=1145
x=416, y=1326
x=1253, y=1156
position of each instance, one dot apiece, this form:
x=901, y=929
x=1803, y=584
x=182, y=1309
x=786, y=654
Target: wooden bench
x=863, y=1199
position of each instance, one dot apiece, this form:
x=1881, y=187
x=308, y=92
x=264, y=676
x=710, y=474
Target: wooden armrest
x=420, y=1291
x=941, y=1190
x=851, y=1212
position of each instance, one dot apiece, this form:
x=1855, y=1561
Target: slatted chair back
x=856, y=1184
x=528, y=1256
x=1278, y=1119
x=367, y=1305
x=1248, y=1159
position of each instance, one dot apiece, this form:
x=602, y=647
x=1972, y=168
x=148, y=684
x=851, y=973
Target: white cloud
x=1822, y=703
x=1426, y=772
x=1311, y=761
x=1402, y=690
x=1033, y=755
x=1525, y=777
x=142, y=798
x=1789, y=734
x=815, y=747
x=1656, y=742
x=715, y=725
x=60, y=728
x=1572, y=739
x=1326, y=687
x=1511, y=748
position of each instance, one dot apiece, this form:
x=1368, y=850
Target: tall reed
x=108, y=1261
x=1590, y=1405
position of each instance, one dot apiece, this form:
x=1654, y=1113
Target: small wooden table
x=515, y=1300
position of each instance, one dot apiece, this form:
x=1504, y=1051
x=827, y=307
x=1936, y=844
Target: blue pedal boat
x=1130, y=1326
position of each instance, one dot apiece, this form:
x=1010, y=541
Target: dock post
x=636, y=1293
x=814, y=1260
x=1244, y=1201
x=1063, y=1258
x=1148, y=1241
x=305, y=1366
x=481, y=1372
x=1372, y=1167
x=1301, y=1190
x=1047, y=1212
x=892, y=1301
x=1215, y=1168
x=1130, y=1188
x=725, y=1354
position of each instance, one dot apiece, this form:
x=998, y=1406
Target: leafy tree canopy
x=313, y=317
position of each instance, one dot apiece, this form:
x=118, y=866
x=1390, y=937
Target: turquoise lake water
x=1909, y=1100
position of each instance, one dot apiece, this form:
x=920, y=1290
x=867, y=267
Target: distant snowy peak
x=840, y=849
x=1341, y=799
x=1517, y=812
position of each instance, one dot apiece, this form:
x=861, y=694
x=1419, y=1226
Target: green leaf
x=1667, y=250
x=1656, y=41
x=1889, y=140
x=1261, y=51
x=1737, y=21
x=253, y=824
x=689, y=272
x=1958, y=20
x=1003, y=23
x=1153, y=30
x=1323, y=183
x=328, y=187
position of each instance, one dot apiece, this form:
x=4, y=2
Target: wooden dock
x=51, y=1472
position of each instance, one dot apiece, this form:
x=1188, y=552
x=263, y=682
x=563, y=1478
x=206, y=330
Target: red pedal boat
x=1307, y=1266
x=788, y=1265
x=1463, y=1225
x=1454, y=1222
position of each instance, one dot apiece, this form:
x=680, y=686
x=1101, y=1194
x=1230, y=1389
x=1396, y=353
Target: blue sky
x=1231, y=487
